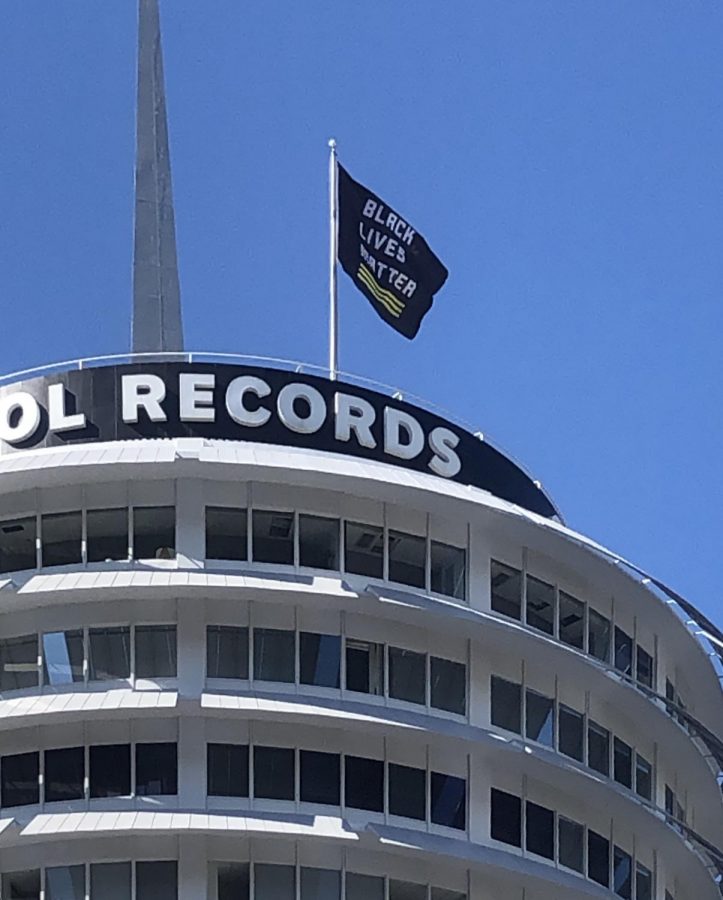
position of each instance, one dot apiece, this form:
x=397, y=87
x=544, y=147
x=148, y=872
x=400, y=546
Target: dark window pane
x=506, y=704
x=643, y=777
x=19, y=662
x=444, y=894
x=21, y=885
x=364, y=783
x=645, y=671
x=598, y=632
x=540, y=718
x=273, y=537
x=449, y=570
x=274, y=655
x=669, y=801
x=109, y=653
x=320, y=659
x=572, y=621
x=107, y=534
x=598, y=858
x=226, y=533
x=110, y=770
x=274, y=882
x=274, y=773
x=20, y=779
x=156, y=769
x=227, y=652
x=157, y=880
x=623, y=652
x=571, y=737
x=65, y=883
x=110, y=881
x=622, y=874
x=318, y=542
x=365, y=667
x=506, y=818
x=571, y=837
x=64, y=774
x=156, y=651
x=364, y=549
x=62, y=657
x=62, y=538
x=154, y=532
x=17, y=545
x=598, y=748
x=506, y=590
x=407, y=675
x=540, y=605
x=407, y=554
x=623, y=763
x=364, y=887
x=643, y=883
x=320, y=777
x=228, y=770
x=233, y=881
x=449, y=801
x=406, y=890
x=540, y=830
x=407, y=792
x=320, y=884
x=449, y=685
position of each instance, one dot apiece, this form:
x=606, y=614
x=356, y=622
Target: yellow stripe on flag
x=390, y=303
x=395, y=301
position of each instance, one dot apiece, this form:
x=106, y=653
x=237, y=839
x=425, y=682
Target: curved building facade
x=268, y=637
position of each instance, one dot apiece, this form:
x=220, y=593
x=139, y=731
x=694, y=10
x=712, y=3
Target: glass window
x=540, y=605
x=62, y=657
x=571, y=733
x=364, y=783
x=643, y=777
x=62, y=538
x=109, y=653
x=154, y=532
x=540, y=718
x=622, y=874
x=273, y=537
x=669, y=800
x=406, y=890
x=598, y=636
x=407, y=792
x=407, y=556
x=64, y=774
x=572, y=621
x=449, y=685
x=17, y=545
x=645, y=670
x=571, y=837
x=226, y=533
x=540, y=830
x=155, y=651
x=506, y=590
x=320, y=884
x=20, y=779
x=319, y=542
x=228, y=770
x=21, y=885
x=106, y=534
x=449, y=801
x=157, y=880
x=110, y=881
x=233, y=881
x=274, y=773
x=364, y=549
x=320, y=775
x=274, y=882
x=227, y=652
x=274, y=655
x=449, y=570
x=623, y=763
x=320, y=659
x=506, y=704
x=156, y=769
x=407, y=675
x=365, y=667
x=643, y=883
x=19, y=662
x=623, y=652
x=110, y=770
x=444, y=894
x=598, y=858
x=364, y=887
x=598, y=748
x=65, y=883
x=506, y=818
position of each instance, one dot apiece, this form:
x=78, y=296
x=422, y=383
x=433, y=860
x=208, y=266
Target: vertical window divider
x=611, y=649
x=385, y=654
x=654, y=776
x=523, y=588
x=252, y=662
x=634, y=653
x=468, y=799
x=297, y=555
x=41, y=776
x=385, y=776
x=556, y=614
x=468, y=683
x=133, y=880
x=385, y=543
x=249, y=526
x=523, y=816
x=342, y=660
x=131, y=541
x=297, y=649
x=428, y=788
x=556, y=716
x=38, y=541
x=133, y=655
x=611, y=856
x=297, y=873
x=297, y=778
x=523, y=702
x=342, y=788
x=83, y=530
x=86, y=769
x=586, y=731
x=428, y=682
x=586, y=629
x=252, y=768
x=428, y=554
x=86, y=655
x=39, y=659
x=342, y=544
x=87, y=881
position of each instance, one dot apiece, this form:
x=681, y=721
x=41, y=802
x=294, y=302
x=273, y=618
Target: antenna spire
x=157, y=321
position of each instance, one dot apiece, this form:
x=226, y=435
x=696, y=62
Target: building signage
x=173, y=400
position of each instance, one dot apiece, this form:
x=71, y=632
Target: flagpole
x=333, y=254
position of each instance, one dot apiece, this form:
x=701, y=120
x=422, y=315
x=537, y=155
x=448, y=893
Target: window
x=643, y=777
x=365, y=667
x=228, y=770
x=156, y=769
x=20, y=773
x=449, y=801
x=622, y=874
x=320, y=777
x=233, y=881
x=17, y=545
x=407, y=555
x=571, y=837
x=110, y=770
x=62, y=657
x=448, y=570
x=320, y=659
x=273, y=537
x=406, y=890
x=506, y=705
x=154, y=532
x=226, y=533
x=364, y=783
x=643, y=883
x=598, y=636
x=110, y=881
x=540, y=605
x=598, y=858
x=448, y=685
x=64, y=774
x=320, y=884
x=540, y=718
x=444, y=894
x=62, y=538
x=407, y=675
x=106, y=535
x=274, y=882
x=407, y=792
x=598, y=748
x=19, y=662
x=623, y=652
x=506, y=818
x=157, y=880
x=623, y=763
x=319, y=542
x=109, y=653
x=645, y=669
x=506, y=590
x=364, y=549
x=571, y=732
x=274, y=773
x=227, y=652
x=364, y=887
x=540, y=830
x=572, y=621
x=21, y=885
x=65, y=883
x=155, y=651
x=274, y=655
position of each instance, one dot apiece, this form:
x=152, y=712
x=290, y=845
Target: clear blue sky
x=563, y=157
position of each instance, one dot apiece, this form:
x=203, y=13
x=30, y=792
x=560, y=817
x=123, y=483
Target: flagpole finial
x=332, y=143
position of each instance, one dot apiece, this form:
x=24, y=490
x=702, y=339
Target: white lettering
x=235, y=393
x=410, y=288
x=285, y=404
x=146, y=391
x=396, y=422
x=354, y=415
x=19, y=417
x=369, y=208
x=445, y=461
x=58, y=418
x=196, y=397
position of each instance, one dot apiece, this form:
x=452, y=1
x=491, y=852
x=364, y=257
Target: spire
x=157, y=323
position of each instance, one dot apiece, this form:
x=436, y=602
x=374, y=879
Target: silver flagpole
x=333, y=253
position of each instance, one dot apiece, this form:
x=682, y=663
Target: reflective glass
x=21, y=885
x=62, y=538
x=110, y=770
x=274, y=882
x=17, y=544
x=233, y=881
x=106, y=534
x=64, y=774
x=449, y=570
x=571, y=839
x=645, y=669
x=228, y=770
x=448, y=685
x=320, y=659
x=19, y=777
x=110, y=881
x=365, y=667
x=623, y=763
x=227, y=652
x=506, y=590
x=364, y=783
x=320, y=777
x=156, y=769
x=643, y=777
x=407, y=675
x=622, y=874
x=226, y=533
x=448, y=801
x=571, y=733
x=572, y=621
x=157, y=881
x=623, y=659
x=364, y=549
x=154, y=532
x=506, y=704
x=319, y=542
x=273, y=537
x=274, y=773
x=598, y=748
x=320, y=884
x=598, y=858
x=407, y=555
x=540, y=605
x=109, y=653
x=65, y=883
x=62, y=657
x=643, y=883
x=155, y=651
x=598, y=632
x=364, y=887
x=540, y=718
x=19, y=662
x=407, y=792
x=540, y=830
x=506, y=818
x=274, y=655
x=406, y=890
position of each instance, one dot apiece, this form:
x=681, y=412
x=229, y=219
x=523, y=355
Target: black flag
x=386, y=259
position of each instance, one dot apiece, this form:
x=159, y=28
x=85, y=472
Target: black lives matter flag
x=390, y=263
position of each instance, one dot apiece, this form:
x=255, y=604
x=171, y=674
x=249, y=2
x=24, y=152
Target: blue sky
x=564, y=158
